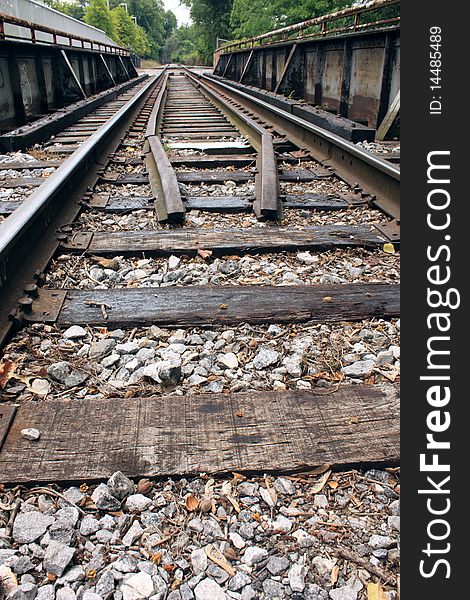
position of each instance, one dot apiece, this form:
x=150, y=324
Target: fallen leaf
x=156, y=558
x=318, y=471
x=144, y=486
x=204, y=253
x=389, y=248
x=223, y=306
x=320, y=484
x=8, y=580
x=334, y=575
x=271, y=490
x=7, y=368
x=170, y=568
x=192, y=503
x=219, y=559
x=375, y=592
x=333, y=484
x=327, y=376
x=256, y=516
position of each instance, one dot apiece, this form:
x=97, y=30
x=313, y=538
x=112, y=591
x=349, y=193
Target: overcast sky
x=181, y=11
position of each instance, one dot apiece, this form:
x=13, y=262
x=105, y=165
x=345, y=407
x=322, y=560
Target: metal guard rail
x=322, y=24
x=71, y=37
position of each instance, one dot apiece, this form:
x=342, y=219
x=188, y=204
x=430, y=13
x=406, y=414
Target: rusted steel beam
x=285, y=69
x=227, y=65
x=72, y=72
x=55, y=33
x=246, y=67
x=377, y=177
x=110, y=75
x=162, y=177
x=267, y=202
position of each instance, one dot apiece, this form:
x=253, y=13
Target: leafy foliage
x=211, y=19
x=128, y=34
x=180, y=47
x=98, y=14
x=253, y=17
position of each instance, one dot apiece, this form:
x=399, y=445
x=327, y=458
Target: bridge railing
x=40, y=34
x=371, y=15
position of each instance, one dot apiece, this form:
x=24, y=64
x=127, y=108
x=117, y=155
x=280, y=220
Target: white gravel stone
x=360, y=368
x=254, y=555
x=137, y=587
x=137, y=503
x=57, y=558
x=230, y=360
x=25, y=591
x=75, y=332
x=277, y=565
x=296, y=577
x=46, y=592
x=208, y=589
x=119, y=485
x=237, y=540
x=284, y=486
x=377, y=542
x=347, y=592
x=104, y=499
x=265, y=357
x=282, y=524
x=324, y=565
x=199, y=560
x=30, y=434
x=29, y=526
x=134, y=533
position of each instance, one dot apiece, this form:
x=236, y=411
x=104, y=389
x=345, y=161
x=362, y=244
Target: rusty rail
x=321, y=25
x=83, y=43
x=267, y=201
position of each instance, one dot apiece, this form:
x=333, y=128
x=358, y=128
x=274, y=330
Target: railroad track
x=174, y=284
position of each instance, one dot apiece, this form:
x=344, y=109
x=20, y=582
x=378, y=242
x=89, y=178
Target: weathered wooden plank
x=159, y=436
x=229, y=241
x=204, y=162
x=32, y=164
x=6, y=207
x=297, y=175
x=22, y=182
x=206, y=305
x=212, y=203
x=315, y=202
x=220, y=203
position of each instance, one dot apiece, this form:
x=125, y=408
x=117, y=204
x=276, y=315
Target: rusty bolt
x=31, y=290
x=25, y=303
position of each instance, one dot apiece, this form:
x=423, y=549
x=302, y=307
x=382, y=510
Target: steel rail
x=354, y=165
x=267, y=200
x=27, y=237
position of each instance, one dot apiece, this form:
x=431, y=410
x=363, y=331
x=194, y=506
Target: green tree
x=150, y=15
x=253, y=17
x=98, y=14
x=74, y=9
x=128, y=34
x=180, y=47
x=211, y=19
